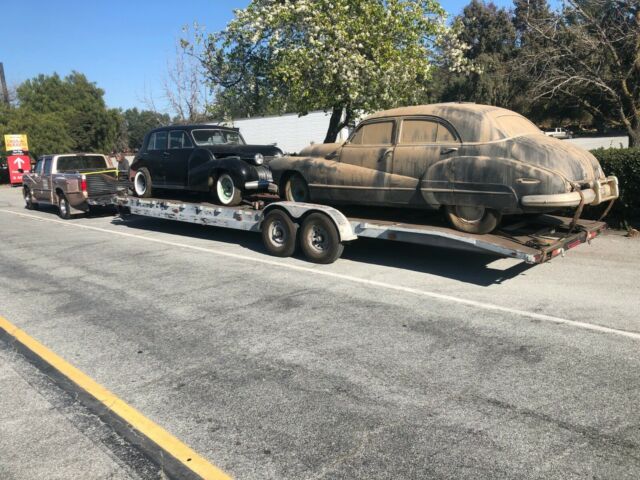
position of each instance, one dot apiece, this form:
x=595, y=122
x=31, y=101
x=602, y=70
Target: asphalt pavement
x=395, y=362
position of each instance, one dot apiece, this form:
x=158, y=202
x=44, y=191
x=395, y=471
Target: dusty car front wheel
x=470, y=219
x=226, y=191
x=142, y=184
x=296, y=189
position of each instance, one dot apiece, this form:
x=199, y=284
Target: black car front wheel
x=226, y=191
x=473, y=219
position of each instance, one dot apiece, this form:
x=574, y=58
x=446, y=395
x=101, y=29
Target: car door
x=154, y=156
x=362, y=171
x=37, y=179
x=45, y=180
x=422, y=168
x=176, y=164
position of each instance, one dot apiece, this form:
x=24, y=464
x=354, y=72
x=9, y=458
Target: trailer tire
x=279, y=234
x=142, y=183
x=29, y=204
x=64, y=209
x=467, y=219
x=320, y=240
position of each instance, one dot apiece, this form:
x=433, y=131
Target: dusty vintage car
x=202, y=158
x=477, y=162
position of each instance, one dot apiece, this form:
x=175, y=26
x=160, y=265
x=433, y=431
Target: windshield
x=85, y=162
x=217, y=137
x=515, y=125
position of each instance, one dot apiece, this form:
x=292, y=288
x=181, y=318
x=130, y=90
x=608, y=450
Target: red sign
x=15, y=163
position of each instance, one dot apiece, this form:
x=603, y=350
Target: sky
x=123, y=46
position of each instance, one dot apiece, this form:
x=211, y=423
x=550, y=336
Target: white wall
x=290, y=132
x=591, y=143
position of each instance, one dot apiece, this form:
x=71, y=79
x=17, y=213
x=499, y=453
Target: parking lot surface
x=395, y=362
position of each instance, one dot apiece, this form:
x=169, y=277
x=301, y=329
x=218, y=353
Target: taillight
x=83, y=184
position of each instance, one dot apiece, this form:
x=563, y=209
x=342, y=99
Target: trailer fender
x=298, y=210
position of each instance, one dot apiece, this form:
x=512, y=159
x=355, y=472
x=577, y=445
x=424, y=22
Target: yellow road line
x=130, y=415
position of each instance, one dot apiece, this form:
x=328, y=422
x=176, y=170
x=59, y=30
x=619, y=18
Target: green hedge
x=624, y=163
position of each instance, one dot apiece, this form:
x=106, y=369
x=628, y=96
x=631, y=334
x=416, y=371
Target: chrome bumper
x=607, y=189
x=261, y=185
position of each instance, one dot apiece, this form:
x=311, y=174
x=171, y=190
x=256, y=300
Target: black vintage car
x=202, y=158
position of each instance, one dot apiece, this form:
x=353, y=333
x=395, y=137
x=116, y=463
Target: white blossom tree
x=342, y=56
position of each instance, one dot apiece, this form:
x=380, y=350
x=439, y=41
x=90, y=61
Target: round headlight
x=259, y=159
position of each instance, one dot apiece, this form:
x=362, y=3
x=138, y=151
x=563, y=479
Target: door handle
x=166, y=154
x=446, y=151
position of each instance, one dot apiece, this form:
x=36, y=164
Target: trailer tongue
x=321, y=231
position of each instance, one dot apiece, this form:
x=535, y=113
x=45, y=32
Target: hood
x=243, y=151
x=319, y=149
x=572, y=162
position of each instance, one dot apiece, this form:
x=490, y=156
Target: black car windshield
x=84, y=162
x=216, y=137
x=516, y=125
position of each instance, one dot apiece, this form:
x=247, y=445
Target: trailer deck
x=535, y=240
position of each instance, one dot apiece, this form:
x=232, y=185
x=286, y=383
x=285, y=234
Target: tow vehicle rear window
x=85, y=162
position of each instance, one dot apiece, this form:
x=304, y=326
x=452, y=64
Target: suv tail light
x=83, y=184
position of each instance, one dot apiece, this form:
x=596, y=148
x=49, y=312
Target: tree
x=591, y=54
x=77, y=108
x=344, y=56
x=139, y=122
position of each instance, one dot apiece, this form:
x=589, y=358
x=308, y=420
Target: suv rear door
x=154, y=156
x=176, y=164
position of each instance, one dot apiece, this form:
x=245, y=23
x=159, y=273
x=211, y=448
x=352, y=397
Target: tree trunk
x=335, y=125
x=634, y=137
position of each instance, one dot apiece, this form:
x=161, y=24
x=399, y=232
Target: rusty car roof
x=473, y=122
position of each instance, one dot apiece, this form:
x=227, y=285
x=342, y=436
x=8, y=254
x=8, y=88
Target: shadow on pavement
x=467, y=267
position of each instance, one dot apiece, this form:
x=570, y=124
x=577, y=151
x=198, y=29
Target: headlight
x=259, y=159
x=277, y=155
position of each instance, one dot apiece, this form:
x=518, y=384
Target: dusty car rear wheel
x=470, y=219
x=296, y=189
x=64, y=209
x=28, y=199
x=226, y=191
x=279, y=234
x=142, y=184
x=320, y=240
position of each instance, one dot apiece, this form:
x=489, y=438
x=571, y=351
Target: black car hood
x=243, y=151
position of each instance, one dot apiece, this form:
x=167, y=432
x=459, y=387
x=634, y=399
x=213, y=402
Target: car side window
x=39, y=166
x=378, y=133
x=179, y=139
x=47, y=166
x=158, y=141
x=445, y=135
x=418, y=131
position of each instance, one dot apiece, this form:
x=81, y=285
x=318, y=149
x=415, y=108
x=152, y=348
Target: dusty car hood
x=574, y=163
x=320, y=149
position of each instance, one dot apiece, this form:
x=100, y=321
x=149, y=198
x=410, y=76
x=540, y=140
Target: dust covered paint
x=451, y=154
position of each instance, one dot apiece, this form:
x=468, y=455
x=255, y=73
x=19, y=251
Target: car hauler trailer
x=321, y=231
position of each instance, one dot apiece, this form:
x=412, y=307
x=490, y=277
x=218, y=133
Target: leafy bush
x=624, y=163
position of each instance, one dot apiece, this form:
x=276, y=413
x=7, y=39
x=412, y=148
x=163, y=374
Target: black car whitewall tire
x=28, y=199
x=479, y=220
x=279, y=234
x=296, y=189
x=142, y=185
x=226, y=191
x=319, y=239
x=64, y=209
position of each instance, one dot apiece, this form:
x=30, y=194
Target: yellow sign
x=16, y=142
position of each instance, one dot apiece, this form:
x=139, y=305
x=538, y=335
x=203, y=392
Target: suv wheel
x=64, y=209
x=142, y=185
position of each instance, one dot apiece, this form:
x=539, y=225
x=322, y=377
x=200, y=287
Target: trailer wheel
x=279, y=234
x=28, y=199
x=64, y=210
x=478, y=220
x=142, y=184
x=320, y=240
